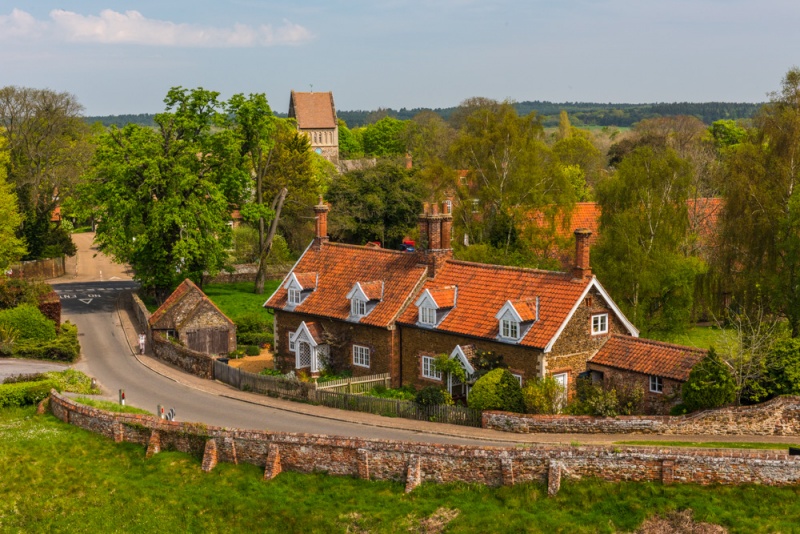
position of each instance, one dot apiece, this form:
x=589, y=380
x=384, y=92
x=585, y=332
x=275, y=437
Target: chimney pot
x=321, y=211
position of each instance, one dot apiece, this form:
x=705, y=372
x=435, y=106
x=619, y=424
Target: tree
x=158, y=194
x=761, y=219
x=12, y=248
x=642, y=227
x=350, y=143
x=384, y=138
x=50, y=148
x=710, y=384
x=497, y=390
x=377, y=204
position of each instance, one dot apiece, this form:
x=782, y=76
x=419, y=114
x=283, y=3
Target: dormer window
x=434, y=304
x=427, y=315
x=358, y=307
x=509, y=329
x=295, y=296
x=298, y=287
x=516, y=318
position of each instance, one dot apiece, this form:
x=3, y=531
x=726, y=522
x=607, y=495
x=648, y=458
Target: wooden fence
x=357, y=384
x=274, y=386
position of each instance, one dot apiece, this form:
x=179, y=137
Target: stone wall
x=247, y=273
x=193, y=362
x=142, y=316
x=40, y=269
x=777, y=417
x=414, y=463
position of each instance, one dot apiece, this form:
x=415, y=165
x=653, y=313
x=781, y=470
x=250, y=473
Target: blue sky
x=121, y=56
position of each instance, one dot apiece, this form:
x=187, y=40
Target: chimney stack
x=435, y=233
x=321, y=211
x=582, y=268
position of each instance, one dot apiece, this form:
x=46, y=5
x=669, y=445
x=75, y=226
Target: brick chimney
x=321, y=211
x=435, y=232
x=582, y=268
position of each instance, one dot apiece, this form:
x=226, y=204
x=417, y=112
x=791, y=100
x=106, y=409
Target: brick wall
x=777, y=417
x=193, y=362
x=653, y=403
x=414, y=463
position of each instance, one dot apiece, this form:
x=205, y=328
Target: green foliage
x=252, y=350
x=432, y=396
x=25, y=393
x=727, y=133
x=72, y=381
x=110, y=406
x=403, y=393
x=451, y=366
x=384, y=138
x=8, y=336
x=29, y=323
x=497, y=390
x=270, y=372
x=245, y=244
x=543, y=396
x=783, y=368
x=64, y=348
x=377, y=204
x=607, y=399
x=12, y=248
x=15, y=291
x=710, y=384
x=351, y=145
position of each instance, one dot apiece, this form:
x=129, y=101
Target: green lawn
x=238, y=298
x=702, y=337
x=58, y=478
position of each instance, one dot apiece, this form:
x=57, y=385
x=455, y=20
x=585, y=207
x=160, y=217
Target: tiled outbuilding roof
x=648, y=357
x=313, y=110
x=339, y=268
x=162, y=318
x=484, y=289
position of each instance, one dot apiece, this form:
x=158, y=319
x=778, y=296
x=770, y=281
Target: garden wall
x=142, y=316
x=415, y=463
x=40, y=269
x=247, y=273
x=186, y=359
x=777, y=417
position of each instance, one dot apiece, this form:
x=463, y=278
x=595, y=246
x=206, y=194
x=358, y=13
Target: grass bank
x=238, y=298
x=93, y=484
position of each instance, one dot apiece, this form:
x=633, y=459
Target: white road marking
x=86, y=301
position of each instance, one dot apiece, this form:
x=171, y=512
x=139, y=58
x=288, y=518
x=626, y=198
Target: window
x=358, y=307
x=429, y=368
x=518, y=377
x=427, y=315
x=361, y=356
x=599, y=324
x=509, y=329
x=291, y=343
x=656, y=384
x=295, y=296
x=303, y=358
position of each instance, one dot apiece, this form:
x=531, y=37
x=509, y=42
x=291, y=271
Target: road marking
x=115, y=278
x=94, y=295
x=85, y=301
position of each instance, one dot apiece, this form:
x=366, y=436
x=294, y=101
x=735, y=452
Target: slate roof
x=340, y=266
x=484, y=289
x=648, y=357
x=313, y=110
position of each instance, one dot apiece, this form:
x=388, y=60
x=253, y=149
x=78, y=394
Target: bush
x=29, y=322
x=252, y=322
x=497, y=390
x=606, y=399
x=402, y=393
x=25, y=393
x=710, y=384
x=543, y=396
x=270, y=372
x=72, y=381
x=783, y=368
x=32, y=377
x=14, y=291
x=254, y=338
x=252, y=350
x=65, y=348
x=432, y=396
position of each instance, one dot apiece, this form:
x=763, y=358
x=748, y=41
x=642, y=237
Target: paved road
x=13, y=366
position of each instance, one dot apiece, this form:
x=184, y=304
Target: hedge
x=25, y=393
x=64, y=348
x=29, y=322
x=497, y=390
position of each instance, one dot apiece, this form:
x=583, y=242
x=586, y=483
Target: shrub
x=29, y=322
x=252, y=350
x=606, y=399
x=8, y=336
x=543, y=396
x=254, y=322
x=254, y=338
x=14, y=291
x=270, y=372
x=497, y=390
x=32, y=377
x=710, y=384
x=402, y=393
x=72, y=381
x=783, y=368
x=65, y=348
x=25, y=393
x=432, y=396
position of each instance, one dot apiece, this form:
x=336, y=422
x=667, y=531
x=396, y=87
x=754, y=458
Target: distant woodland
x=580, y=113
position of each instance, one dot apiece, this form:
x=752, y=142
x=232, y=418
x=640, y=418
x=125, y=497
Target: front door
x=562, y=379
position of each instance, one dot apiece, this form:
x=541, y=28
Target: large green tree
x=159, y=193
x=761, y=220
x=643, y=224
x=50, y=147
x=12, y=248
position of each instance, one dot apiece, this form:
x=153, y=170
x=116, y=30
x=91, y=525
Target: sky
x=120, y=56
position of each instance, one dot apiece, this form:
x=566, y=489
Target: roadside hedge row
x=25, y=393
x=64, y=348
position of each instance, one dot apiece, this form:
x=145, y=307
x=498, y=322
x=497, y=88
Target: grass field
x=58, y=478
x=238, y=298
x=702, y=337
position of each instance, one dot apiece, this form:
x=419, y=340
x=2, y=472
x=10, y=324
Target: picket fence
x=325, y=394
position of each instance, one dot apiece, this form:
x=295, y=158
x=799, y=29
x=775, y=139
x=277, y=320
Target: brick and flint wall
x=414, y=463
x=383, y=343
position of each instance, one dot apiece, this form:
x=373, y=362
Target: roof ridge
x=510, y=268
x=658, y=343
x=362, y=247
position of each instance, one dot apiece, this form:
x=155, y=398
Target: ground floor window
x=429, y=368
x=361, y=355
x=291, y=343
x=656, y=384
x=303, y=355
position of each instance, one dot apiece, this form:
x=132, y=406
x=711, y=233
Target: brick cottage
x=371, y=310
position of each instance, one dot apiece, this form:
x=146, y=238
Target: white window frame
x=518, y=377
x=292, y=344
x=599, y=324
x=427, y=315
x=656, y=384
x=429, y=369
x=295, y=296
x=361, y=356
x=358, y=307
x=509, y=329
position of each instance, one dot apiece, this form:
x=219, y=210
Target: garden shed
x=189, y=316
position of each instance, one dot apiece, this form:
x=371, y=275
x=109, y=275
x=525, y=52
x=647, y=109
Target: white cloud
x=131, y=27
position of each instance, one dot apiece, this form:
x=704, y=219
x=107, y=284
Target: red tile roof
x=373, y=290
x=316, y=331
x=313, y=110
x=648, y=357
x=307, y=280
x=445, y=297
x=484, y=289
x=161, y=318
x=526, y=309
x=341, y=266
